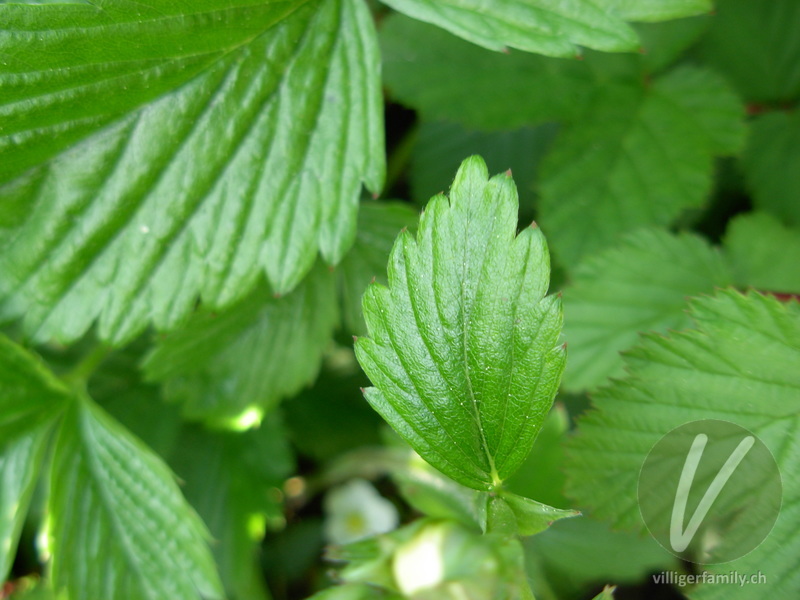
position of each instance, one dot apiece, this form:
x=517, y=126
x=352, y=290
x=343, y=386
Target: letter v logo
x=680, y=539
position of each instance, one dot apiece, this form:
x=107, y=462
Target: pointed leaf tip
x=456, y=370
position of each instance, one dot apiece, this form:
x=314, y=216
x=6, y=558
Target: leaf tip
x=508, y=173
x=534, y=225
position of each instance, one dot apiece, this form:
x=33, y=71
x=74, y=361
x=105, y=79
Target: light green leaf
x=163, y=151
x=763, y=253
x=533, y=517
x=441, y=145
x=640, y=285
x=20, y=460
x=378, y=226
x=221, y=366
x=657, y=10
x=464, y=349
x=755, y=46
x=29, y=393
x=742, y=365
x=607, y=593
x=355, y=591
x=772, y=165
x=485, y=90
x=119, y=527
x=544, y=26
x=637, y=157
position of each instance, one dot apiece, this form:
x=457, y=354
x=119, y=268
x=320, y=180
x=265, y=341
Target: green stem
x=78, y=377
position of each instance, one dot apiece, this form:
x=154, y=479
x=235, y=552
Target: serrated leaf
x=755, y=46
x=772, y=165
x=162, y=152
x=638, y=157
x=20, y=461
x=119, y=527
x=219, y=366
x=547, y=27
x=742, y=365
x=463, y=347
x=763, y=253
x=378, y=225
x=29, y=394
x=484, y=90
x=640, y=285
x=440, y=146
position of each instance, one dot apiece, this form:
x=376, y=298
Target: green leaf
x=763, y=253
x=755, y=46
x=574, y=554
x=664, y=43
x=331, y=417
x=657, y=10
x=159, y=153
x=742, y=365
x=484, y=90
x=30, y=396
x=772, y=165
x=235, y=498
x=378, y=225
x=637, y=157
x=607, y=593
x=220, y=366
x=20, y=461
x=533, y=517
x=547, y=27
x=638, y=286
x=355, y=591
x=119, y=527
x=464, y=348
x=441, y=145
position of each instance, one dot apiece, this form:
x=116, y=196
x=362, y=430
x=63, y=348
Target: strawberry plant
x=349, y=300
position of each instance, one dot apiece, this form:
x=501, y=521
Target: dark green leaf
x=772, y=165
x=378, y=226
x=162, y=151
x=637, y=157
x=487, y=90
x=764, y=253
x=464, y=348
x=120, y=527
x=235, y=498
x=441, y=146
x=755, y=45
x=222, y=366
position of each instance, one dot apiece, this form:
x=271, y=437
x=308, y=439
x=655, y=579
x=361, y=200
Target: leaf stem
x=79, y=376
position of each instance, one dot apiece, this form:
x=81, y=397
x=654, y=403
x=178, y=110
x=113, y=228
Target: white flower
x=355, y=510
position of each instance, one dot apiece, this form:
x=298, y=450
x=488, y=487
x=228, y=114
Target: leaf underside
x=120, y=527
x=463, y=347
x=158, y=154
